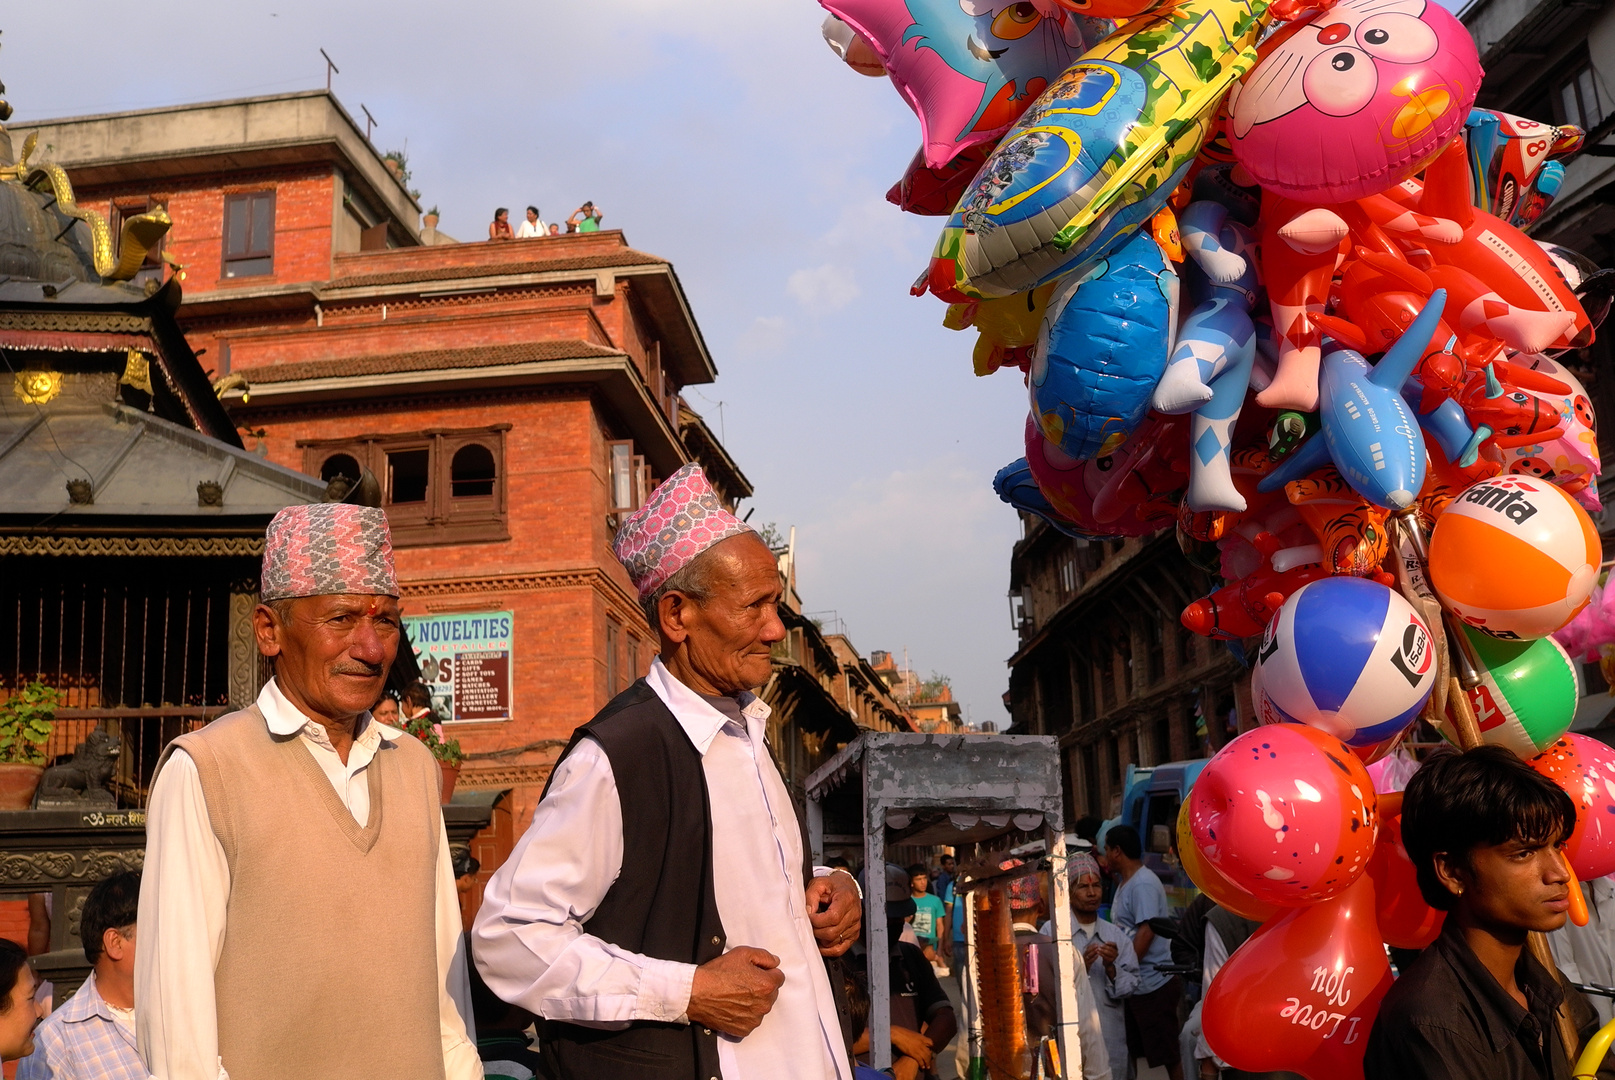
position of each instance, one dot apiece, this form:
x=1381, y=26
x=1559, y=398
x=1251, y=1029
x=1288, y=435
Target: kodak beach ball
x=1514, y=557
x=1347, y=656
x=1527, y=694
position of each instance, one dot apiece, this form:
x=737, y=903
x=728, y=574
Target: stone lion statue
x=82, y=780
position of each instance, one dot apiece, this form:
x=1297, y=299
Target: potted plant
x=447, y=751
x=26, y=720
x=430, y=219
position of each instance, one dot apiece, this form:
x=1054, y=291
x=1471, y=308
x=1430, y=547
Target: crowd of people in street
x=662, y=915
x=585, y=218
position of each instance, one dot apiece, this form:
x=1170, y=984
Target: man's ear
x=113, y=944
x=673, y=614
x=1452, y=874
x=266, y=630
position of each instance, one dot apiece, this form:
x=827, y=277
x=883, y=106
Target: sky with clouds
x=723, y=135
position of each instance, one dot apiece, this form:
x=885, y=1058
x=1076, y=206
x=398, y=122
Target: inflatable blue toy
x=1369, y=432
x=1101, y=349
x=1210, y=367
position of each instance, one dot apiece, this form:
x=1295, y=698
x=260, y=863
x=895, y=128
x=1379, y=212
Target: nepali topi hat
x=325, y=549
x=682, y=518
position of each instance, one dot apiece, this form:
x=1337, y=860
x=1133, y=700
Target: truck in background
x=1152, y=796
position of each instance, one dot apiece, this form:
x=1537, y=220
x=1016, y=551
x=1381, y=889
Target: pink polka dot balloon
x=1286, y=812
x=1585, y=768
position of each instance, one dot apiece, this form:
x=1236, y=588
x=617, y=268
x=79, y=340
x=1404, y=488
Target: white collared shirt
x=529, y=938
x=185, y=888
x=528, y=230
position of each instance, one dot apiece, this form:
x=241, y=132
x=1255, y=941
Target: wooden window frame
x=442, y=518
x=226, y=259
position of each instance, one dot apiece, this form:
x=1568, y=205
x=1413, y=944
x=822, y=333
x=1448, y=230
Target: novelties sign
x=465, y=662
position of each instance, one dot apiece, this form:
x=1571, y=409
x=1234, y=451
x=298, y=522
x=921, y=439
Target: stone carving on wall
x=50, y=867
x=245, y=667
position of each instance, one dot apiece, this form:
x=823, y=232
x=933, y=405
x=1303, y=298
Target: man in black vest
x=661, y=913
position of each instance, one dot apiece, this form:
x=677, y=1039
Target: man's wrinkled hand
x=733, y=993
x=836, y=912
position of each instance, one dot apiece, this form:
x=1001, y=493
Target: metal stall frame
x=954, y=790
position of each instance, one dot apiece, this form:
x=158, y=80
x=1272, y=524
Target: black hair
x=916, y=870
x=111, y=905
x=534, y=209
x=945, y=855
x=464, y=862
x=1482, y=797
x=857, y=1000
x=838, y=862
x=1124, y=838
x=1088, y=827
x=13, y=958
x=417, y=696
x=501, y=210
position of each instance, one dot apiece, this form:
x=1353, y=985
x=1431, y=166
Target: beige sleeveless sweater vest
x=329, y=963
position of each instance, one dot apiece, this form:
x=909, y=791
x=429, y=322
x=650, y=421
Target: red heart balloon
x=1302, y=993
x=1287, y=813
x=1585, y=768
x=1405, y=920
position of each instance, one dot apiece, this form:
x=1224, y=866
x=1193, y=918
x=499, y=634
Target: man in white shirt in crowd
x=532, y=227
x=297, y=866
x=660, y=913
x=1107, y=954
x=92, y=1036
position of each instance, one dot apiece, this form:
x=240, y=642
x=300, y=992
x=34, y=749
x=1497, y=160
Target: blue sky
x=725, y=136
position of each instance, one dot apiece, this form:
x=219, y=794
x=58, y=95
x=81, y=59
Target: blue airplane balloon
x=1369, y=433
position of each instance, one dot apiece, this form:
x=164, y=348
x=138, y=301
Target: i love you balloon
x=1302, y=993
x=1287, y=813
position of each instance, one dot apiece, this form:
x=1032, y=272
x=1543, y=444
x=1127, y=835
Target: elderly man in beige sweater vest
x=298, y=916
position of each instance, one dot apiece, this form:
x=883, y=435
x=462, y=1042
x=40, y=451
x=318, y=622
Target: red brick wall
x=304, y=209
x=555, y=469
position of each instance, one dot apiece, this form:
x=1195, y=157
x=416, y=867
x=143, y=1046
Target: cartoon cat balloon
x=1354, y=101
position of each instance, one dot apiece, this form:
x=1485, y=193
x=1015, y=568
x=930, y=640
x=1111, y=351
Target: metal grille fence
x=136, y=646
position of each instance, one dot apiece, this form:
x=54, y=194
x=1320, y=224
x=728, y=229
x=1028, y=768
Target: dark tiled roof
x=433, y=360
x=625, y=257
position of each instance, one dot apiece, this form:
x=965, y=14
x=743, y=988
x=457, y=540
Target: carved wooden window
x=249, y=234
x=444, y=486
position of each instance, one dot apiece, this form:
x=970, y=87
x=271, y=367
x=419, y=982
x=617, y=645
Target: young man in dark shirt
x=1485, y=833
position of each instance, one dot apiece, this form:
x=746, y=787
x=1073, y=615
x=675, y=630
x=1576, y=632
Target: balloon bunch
x=1267, y=285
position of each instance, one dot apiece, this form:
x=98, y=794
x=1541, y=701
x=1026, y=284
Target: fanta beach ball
x=1527, y=694
x=1348, y=656
x=1514, y=557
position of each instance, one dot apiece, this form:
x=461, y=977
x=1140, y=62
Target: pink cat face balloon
x=1355, y=100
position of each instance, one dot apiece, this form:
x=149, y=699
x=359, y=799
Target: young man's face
x=918, y=883
x=1520, y=884
x=947, y=863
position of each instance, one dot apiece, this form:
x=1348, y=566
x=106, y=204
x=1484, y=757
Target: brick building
x=510, y=401
x=1105, y=664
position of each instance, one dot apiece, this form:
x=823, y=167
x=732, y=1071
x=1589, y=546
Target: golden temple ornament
x=36, y=387
x=137, y=371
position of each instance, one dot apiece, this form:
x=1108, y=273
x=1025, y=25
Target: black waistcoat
x=662, y=904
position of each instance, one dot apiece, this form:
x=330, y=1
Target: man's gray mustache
x=357, y=669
